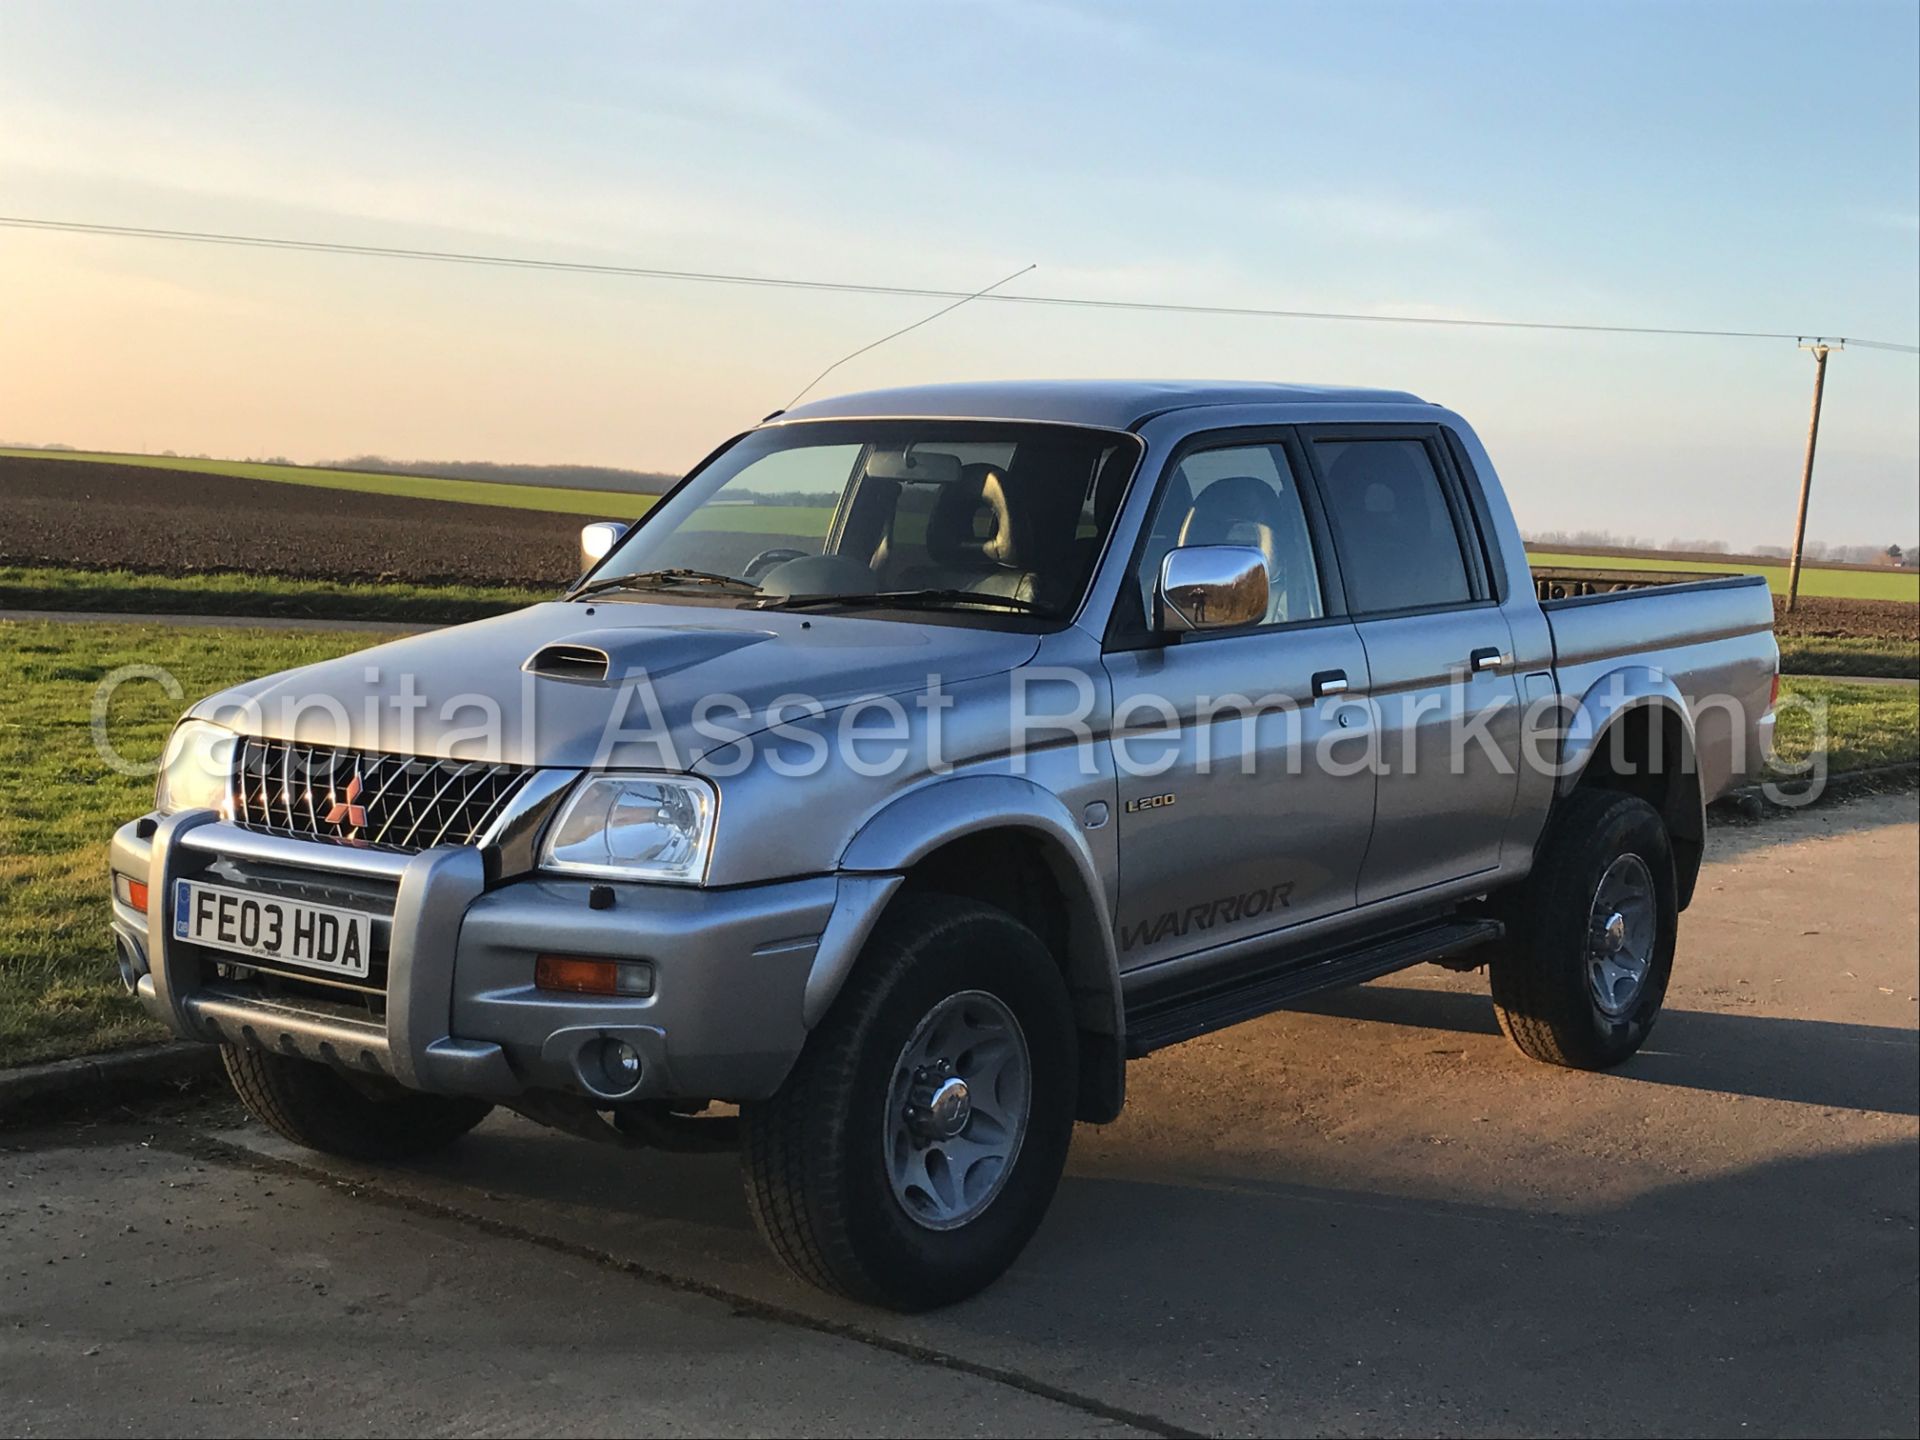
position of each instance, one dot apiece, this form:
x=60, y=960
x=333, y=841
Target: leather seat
x=976, y=539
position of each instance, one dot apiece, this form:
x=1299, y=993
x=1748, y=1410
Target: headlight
x=633, y=827
x=195, y=769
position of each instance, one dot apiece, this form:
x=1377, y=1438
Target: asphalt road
x=1369, y=1217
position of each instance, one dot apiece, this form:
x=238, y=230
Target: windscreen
x=957, y=515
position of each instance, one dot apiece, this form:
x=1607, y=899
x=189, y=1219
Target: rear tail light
x=1773, y=695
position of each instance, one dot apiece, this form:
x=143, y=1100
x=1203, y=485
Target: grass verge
x=1849, y=655
x=51, y=587
x=59, y=802
x=1865, y=725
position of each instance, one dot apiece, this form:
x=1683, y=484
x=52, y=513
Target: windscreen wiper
x=931, y=599
x=663, y=579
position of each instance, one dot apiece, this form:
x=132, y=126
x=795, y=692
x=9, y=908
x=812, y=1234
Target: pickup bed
x=922, y=757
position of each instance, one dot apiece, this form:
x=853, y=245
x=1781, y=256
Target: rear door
x=1439, y=653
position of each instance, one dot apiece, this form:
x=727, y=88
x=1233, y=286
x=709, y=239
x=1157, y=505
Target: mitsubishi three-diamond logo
x=348, y=809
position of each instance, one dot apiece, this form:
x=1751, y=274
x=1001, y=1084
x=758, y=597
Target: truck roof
x=1115, y=404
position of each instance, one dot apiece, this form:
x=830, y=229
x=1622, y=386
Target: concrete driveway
x=1371, y=1216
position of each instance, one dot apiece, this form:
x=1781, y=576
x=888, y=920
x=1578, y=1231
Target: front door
x=1232, y=821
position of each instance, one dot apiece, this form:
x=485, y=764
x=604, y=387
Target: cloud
x=355, y=178
x=1378, y=219
x=1080, y=25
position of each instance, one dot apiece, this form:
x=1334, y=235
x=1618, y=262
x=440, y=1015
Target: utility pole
x=1820, y=348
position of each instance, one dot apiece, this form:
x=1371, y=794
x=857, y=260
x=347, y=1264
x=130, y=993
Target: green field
x=59, y=803
x=598, y=504
x=54, y=587
x=808, y=520
x=1833, y=584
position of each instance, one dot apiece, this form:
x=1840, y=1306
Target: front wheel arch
x=918, y=836
x=815, y=1154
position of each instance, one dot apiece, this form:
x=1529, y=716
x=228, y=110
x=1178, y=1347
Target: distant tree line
x=1576, y=540
x=823, y=499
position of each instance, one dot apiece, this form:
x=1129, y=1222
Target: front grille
x=351, y=797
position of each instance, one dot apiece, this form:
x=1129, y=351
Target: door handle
x=1329, y=682
x=1489, y=657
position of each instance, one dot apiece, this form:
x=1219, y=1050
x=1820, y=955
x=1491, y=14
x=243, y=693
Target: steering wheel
x=767, y=559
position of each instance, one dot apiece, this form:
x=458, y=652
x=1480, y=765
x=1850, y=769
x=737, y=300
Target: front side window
x=1399, y=547
x=966, y=517
x=1235, y=495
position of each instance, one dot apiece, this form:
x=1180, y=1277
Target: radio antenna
x=927, y=320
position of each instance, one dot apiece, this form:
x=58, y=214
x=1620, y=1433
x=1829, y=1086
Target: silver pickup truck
x=920, y=759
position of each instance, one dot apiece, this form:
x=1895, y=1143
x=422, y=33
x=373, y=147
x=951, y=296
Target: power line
x=776, y=282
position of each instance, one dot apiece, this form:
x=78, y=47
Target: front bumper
x=460, y=1013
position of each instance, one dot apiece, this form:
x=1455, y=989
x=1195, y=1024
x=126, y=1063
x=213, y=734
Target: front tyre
x=1583, y=972
x=915, y=1147
x=368, y=1118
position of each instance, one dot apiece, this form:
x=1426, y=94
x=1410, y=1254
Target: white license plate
x=289, y=932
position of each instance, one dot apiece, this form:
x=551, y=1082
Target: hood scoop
x=568, y=660
x=600, y=657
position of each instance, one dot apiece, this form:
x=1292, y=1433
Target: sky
x=1741, y=166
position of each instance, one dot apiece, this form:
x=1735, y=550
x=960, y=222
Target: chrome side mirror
x=597, y=541
x=1210, y=587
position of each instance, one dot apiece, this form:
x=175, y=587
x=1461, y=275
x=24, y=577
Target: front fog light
x=610, y=1067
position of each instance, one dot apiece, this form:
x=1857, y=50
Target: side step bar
x=1157, y=1021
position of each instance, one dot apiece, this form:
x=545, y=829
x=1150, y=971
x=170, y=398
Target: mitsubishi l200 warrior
x=920, y=759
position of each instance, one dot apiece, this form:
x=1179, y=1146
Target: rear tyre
x=915, y=1147
x=1583, y=972
x=368, y=1118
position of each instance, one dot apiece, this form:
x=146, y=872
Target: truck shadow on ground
x=1808, y=1062
x=1779, y=1290
x=1776, y=1294
x=1731, y=839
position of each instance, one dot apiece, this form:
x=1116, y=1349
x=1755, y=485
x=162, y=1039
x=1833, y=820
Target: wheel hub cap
x=940, y=1112
x=1615, y=932
x=957, y=1110
x=1622, y=933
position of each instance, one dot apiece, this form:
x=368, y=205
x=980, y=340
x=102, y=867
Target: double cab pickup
x=920, y=759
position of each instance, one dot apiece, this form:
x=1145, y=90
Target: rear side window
x=1394, y=531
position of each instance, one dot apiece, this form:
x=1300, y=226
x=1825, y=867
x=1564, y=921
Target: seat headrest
x=1393, y=492
x=1228, y=508
x=972, y=521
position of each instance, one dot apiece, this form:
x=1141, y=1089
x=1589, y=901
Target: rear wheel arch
x=1568, y=988
x=1645, y=747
